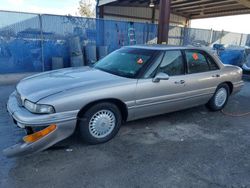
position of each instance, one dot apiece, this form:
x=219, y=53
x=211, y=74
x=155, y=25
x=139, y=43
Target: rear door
x=203, y=76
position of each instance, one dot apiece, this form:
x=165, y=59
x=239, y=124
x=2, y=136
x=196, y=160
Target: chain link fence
x=29, y=42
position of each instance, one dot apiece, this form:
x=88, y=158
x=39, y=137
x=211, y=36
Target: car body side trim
x=171, y=100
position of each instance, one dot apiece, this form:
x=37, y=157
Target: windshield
x=126, y=62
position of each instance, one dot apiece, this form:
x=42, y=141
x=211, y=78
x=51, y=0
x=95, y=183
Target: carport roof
x=192, y=9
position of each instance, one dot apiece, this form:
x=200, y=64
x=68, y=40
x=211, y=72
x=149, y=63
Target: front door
x=153, y=98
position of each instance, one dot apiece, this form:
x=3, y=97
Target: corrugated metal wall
x=139, y=14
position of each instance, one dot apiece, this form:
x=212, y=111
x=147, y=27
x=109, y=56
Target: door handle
x=180, y=82
x=216, y=76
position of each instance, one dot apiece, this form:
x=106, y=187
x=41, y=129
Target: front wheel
x=220, y=98
x=100, y=123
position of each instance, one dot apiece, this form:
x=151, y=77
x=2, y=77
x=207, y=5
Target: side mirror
x=160, y=76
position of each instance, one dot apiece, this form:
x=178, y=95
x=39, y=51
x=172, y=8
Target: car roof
x=164, y=47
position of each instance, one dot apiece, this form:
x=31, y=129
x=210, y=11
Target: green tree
x=87, y=8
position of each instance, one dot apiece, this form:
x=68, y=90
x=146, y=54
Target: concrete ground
x=191, y=148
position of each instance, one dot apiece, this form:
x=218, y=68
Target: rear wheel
x=100, y=123
x=220, y=98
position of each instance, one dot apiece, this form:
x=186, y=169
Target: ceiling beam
x=188, y=3
x=217, y=8
x=218, y=11
x=246, y=3
x=218, y=14
x=211, y=5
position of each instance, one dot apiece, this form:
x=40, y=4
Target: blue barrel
x=75, y=46
x=77, y=61
x=90, y=52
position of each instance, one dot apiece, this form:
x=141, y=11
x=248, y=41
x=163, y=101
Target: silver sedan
x=130, y=83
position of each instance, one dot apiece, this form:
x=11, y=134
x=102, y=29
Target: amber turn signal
x=38, y=135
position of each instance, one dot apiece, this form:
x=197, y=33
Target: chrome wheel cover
x=220, y=97
x=102, y=123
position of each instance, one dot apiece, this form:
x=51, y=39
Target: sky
x=239, y=24
x=60, y=7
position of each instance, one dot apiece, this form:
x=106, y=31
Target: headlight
x=38, y=108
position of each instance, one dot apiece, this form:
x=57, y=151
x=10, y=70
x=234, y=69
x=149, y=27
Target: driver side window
x=172, y=63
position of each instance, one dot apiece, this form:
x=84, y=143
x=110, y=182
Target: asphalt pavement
x=190, y=148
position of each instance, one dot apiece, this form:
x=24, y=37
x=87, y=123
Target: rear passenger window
x=212, y=64
x=172, y=63
x=196, y=62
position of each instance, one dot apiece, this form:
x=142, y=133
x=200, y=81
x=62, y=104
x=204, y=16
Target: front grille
x=19, y=99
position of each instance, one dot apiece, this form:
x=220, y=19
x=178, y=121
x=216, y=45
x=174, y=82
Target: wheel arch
x=121, y=106
x=230, y=85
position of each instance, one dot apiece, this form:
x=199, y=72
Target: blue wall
x=29, y=41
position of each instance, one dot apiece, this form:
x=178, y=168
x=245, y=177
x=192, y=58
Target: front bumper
x=65, y=126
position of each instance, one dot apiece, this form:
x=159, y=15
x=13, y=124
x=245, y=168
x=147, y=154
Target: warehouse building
x=168, y=13
x=136, y=11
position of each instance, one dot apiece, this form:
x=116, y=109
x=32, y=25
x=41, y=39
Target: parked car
x=131, y=83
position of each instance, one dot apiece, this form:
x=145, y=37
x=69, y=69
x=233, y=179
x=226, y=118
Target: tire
x=220, y=98
x=100, y=123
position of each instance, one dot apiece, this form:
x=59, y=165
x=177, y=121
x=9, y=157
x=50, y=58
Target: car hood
x=37, y=87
